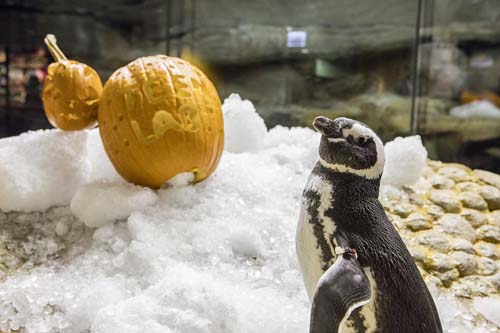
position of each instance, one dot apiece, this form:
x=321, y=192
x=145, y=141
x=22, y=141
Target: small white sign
x=296, y=39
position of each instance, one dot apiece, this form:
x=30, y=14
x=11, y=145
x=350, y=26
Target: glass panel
x=295, y=60
x=458, y=83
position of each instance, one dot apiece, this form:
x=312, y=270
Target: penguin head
x=350, y=146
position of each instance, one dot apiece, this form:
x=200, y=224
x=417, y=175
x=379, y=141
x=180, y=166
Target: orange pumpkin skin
x=70, y=95
x=160, y=116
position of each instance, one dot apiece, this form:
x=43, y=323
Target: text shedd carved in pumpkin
x=159, y=116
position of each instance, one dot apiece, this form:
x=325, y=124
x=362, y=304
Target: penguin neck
x=356, y=186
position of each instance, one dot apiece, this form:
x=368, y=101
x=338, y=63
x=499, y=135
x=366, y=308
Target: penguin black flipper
x=341, y=289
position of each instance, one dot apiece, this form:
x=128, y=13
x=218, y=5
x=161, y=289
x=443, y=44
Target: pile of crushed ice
x=218, y=256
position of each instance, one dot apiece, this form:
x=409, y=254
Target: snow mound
x=476, y=109
x=244, y=128
x=41, y=169
x=100, y=165
x=216, y=256
x=96, y=204
x=405, y=159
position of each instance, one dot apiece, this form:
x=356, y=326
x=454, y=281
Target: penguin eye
x=363, y=140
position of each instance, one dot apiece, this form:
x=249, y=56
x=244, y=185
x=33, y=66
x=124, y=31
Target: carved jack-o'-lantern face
x=70, y=95
x=71, y=92
x=159, y=116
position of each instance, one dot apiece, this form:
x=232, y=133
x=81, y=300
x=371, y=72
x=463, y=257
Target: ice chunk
x=180, y=180
x=244, y=128
x=100, y=165
x=99, y=203
x=41, y=169
x=405, y=159
x=246, y=242
x=489, y=307
x=476, y=109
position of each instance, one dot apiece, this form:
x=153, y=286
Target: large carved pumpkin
x=71, y=92
x=159, y=116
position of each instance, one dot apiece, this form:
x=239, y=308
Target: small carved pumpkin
x=71, y=92
x=160, y=116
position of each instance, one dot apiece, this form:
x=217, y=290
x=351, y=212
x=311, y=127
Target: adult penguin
x=356, y=268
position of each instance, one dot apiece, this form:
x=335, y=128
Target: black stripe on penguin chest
x=313, y=208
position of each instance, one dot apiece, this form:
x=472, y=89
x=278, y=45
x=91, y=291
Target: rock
x=473, y=285
x=456, y=225
x=440, y=262
x=487, y=250
x=495, y=218
x=491, y=195
x=433, y=239
x=418, y=253
x=435, y=211
x=459, y=244
x=434, y=165
x=486, y=266
x=403, y=209
x=455, y=173
x=475, y=218
x=446, y=199
x=488, y=177
x=418, y=193
x=417, y=222
x=495, y=281
x=468, y=186
x=428, y=171
x=441, y=182
x=489, y=233
x=473, y=200
x=448, y=277
x=466, y=263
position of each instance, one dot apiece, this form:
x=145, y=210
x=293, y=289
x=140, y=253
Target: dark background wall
x=355, y=50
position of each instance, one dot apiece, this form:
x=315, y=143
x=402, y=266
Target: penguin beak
x=327, y=127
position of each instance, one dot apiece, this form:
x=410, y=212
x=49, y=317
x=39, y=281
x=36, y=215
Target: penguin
x=359, y=275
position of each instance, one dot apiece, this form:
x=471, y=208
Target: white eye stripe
x=358, y=131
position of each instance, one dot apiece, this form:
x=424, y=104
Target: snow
x=456, y=317
x=476, y=109
x=489, y=307
x=244, y=129
x=405, y=159
x=216, y=256
x=100, y=168
x=41, y=169
x=96, y=204
x=180, y=180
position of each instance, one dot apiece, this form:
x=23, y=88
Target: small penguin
x=357, y=271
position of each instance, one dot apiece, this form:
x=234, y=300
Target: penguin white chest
x=315, y=241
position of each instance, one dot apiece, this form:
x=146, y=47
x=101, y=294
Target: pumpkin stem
x=51, y=42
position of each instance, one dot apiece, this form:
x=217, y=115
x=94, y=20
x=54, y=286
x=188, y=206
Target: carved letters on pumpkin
x=186, y=117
